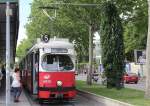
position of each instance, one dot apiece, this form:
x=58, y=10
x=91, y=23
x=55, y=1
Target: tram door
x=35, y=72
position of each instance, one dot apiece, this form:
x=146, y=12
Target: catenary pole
x=8, y=54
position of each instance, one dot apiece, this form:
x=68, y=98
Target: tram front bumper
x=57, y=93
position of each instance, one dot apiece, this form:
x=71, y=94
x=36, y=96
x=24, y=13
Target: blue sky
x=24, y=12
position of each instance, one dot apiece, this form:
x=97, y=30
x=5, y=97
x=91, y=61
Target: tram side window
x=37, y=58
x=28, y=62
x=25, y=63
x=31, y=61
x=37, y=61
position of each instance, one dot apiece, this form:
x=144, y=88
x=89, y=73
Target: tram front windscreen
x=52, y=62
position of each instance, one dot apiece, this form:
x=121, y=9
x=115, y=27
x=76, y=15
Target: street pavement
x=139, y=86
x=78, y=101
x=23, y=99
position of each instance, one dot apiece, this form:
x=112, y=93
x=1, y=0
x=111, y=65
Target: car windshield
x=57, y=63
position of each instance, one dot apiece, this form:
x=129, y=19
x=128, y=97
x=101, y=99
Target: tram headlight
x=59, y=83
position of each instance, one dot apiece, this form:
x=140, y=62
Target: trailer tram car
x=48, y=70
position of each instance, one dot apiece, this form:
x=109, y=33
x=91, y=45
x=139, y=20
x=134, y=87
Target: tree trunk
x=147, y=92
x=89, y=76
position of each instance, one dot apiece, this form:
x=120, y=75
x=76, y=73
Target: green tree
x=90, y=17
x=71, y=21
x=22, y=49
x=112, y=45
x=135, y=28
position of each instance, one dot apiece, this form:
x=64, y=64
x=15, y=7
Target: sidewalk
x=23, y=99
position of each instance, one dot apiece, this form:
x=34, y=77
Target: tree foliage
x=22, y=49
x=112, y=45
x=71, y=22
x=135, y=28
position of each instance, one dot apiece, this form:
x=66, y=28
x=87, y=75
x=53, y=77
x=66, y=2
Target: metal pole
x=7, y=54
x=141, y=67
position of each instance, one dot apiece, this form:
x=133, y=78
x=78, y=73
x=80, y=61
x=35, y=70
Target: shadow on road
x=59, y=103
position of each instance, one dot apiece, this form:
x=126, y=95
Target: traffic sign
x=140, y=56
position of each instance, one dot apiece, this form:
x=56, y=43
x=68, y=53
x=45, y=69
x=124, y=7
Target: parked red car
x=131, y=77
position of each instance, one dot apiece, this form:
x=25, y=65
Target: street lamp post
x=8, y=13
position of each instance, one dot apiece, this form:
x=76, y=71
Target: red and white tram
x=48, y=70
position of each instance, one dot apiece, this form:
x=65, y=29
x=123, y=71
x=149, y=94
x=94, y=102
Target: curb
x=106, y=101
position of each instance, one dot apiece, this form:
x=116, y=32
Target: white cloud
x=24, y=11
x=22, y=35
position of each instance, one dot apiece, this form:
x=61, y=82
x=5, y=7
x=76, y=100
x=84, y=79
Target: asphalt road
x=139, y=86
x=79, y=101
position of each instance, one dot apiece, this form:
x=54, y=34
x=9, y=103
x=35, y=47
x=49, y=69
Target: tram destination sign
x=59, y=50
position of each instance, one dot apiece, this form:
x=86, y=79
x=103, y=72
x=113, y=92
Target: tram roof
x=54, y=43
x=14, y=25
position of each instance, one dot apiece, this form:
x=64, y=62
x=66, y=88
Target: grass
x=132, y=96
